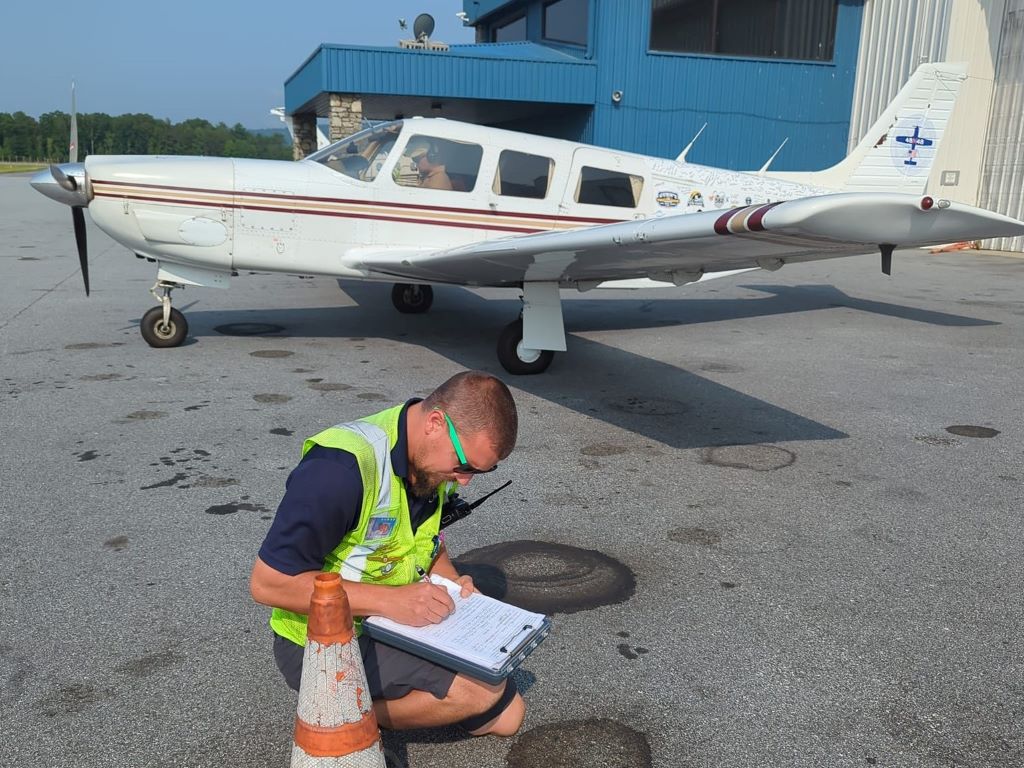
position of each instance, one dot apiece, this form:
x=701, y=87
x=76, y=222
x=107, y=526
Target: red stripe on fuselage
x=337, y=214
x=347, y=201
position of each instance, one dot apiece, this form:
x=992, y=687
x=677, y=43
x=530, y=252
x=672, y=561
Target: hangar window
x=509, y=30
x=598, y=186
x=565, y=21
x=433, y=163
x=777, y=29
x=523, y=175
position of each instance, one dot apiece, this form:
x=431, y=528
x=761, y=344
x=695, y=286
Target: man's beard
x=423, y=484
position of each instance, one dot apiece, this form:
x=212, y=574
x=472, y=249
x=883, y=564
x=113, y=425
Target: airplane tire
x=412, y=299
x=511, y=354
x=158, y=335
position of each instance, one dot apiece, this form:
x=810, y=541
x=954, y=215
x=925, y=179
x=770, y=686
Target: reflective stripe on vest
x=382, y=548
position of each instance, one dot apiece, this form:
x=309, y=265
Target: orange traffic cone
x=334, y=724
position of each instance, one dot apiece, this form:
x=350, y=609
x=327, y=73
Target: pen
x=422, y=574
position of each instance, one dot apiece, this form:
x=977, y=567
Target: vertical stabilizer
x=897, y=152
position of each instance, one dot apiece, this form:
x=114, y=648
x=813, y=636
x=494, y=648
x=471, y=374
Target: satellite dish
x=423, y=27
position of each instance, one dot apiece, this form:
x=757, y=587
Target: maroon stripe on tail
x=722, y=223
x=754, y=223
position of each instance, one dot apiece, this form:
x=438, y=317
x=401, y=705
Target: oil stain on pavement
x=969, y=430
x=579, y=744
x=548, y=578
x=760, y=458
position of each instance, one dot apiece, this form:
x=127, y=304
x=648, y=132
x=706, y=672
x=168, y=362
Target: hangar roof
x=523, y=72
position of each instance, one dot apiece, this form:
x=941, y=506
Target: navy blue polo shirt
x=322, y=501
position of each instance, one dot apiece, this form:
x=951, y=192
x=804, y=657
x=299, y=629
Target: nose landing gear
x=164, y=326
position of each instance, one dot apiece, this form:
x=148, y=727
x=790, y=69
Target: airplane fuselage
x=308, y=217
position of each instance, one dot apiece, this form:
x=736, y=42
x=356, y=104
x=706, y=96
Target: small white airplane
x=423, y=201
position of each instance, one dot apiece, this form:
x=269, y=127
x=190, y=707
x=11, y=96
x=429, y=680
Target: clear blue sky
x=220, y=60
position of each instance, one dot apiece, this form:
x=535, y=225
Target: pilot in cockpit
x=428, y=162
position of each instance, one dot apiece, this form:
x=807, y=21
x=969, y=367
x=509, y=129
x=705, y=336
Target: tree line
x=23, y=138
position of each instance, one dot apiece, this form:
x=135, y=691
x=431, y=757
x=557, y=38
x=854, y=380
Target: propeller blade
x=78, y=218
x=73, y=146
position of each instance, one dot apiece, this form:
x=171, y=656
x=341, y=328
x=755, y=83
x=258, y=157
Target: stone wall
x=346, y=115
x=304, y=130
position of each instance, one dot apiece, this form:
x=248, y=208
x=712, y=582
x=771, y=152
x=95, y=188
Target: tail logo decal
x=912, y=151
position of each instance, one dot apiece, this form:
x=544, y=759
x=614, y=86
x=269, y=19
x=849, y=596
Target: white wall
x=1002, y=173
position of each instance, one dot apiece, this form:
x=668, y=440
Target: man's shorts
x=390, y=673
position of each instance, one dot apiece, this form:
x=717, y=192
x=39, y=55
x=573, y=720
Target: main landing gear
x=526, y=346
x=517, y=358
x=412, y=299
x=164, y=326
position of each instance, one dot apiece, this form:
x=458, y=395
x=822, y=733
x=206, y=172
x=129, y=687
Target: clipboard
x=505, y=647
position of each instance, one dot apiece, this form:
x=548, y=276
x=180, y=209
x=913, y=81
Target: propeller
x=70, y=183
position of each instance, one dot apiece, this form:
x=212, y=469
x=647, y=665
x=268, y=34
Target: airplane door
x=607, y=185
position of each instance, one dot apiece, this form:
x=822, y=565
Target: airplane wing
x=680, y=248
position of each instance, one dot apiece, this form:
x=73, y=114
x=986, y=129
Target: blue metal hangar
x=646, y=75
x=637, y=75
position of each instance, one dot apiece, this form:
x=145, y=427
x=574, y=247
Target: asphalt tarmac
x=777, y=518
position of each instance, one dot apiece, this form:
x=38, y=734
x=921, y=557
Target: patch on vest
x=380, y=527
x=381, y=563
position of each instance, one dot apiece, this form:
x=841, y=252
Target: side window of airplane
x=523, y=175
x=433, y=163
x=597, y=186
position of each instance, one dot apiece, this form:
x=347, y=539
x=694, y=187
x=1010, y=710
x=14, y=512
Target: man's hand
x=468, y=587
x=419, y=604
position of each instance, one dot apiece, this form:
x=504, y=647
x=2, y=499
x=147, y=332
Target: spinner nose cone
x=66, y=183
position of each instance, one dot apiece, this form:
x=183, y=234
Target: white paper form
x=481, y=629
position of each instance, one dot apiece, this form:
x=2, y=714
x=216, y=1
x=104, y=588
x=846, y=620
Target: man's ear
x=434, y=421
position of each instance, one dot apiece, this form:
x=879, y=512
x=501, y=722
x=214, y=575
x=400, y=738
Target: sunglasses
x=464, y=468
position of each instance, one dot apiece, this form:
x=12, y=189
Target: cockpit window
x=433, y=163
x=361, y=155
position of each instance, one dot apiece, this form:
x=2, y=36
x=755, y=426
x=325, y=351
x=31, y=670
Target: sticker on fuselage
x=667, y=198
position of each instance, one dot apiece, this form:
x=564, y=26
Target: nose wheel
x=164, y=326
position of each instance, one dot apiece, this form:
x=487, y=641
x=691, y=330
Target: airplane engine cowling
x=174, y=209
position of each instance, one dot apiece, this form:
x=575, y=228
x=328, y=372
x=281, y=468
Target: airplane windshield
x=361, y=155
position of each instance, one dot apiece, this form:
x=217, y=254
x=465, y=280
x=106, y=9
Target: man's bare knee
x=508, y=722
x=497, y=710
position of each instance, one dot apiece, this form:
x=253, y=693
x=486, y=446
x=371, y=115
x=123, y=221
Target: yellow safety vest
x=382, y=548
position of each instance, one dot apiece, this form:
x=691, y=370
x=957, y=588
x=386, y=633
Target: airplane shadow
x=651, y=398
x=780, y=299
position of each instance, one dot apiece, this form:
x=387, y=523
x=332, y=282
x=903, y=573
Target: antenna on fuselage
x=764, y=168
x=682, y=155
